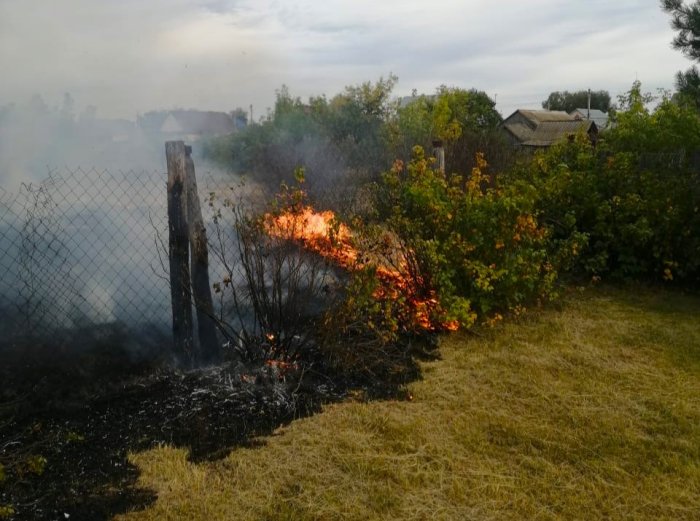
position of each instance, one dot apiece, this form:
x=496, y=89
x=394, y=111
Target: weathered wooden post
x=199, y=268
x=178, y=242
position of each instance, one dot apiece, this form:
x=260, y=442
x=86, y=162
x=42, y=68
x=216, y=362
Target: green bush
x=6, y=511
x=478, y=250
x=633, y=204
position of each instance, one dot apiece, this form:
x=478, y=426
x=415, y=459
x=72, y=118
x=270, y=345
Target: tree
x=332, y=138
x=570, y=101
x=472, y=109
x=240, y=117
x=447, y=115
x=372, y=99
x=688, y=86
x=472, y=127
x=668, y=129
x=686, y=20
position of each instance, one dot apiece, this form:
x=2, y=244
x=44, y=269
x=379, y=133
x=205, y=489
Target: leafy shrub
x=632, y=206
x=34, y=464
x=480, y=250
x=6, y=511
x=338, y=139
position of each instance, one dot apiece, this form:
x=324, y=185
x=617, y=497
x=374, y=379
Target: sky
x=130, y=56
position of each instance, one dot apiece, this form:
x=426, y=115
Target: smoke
x=35, y=138
x=83, y=223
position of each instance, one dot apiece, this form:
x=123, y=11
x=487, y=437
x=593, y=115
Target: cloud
x=131, y=56
x=128, y=57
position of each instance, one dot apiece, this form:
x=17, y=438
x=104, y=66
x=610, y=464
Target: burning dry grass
x=589, y=412
x=323, y=233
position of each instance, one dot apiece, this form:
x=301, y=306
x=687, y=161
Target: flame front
x=322, y=233
x=318, y=231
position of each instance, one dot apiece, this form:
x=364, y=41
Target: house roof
x=542, y=116
x=188, y=122
x=199, y=122
x=520, y=131
x=600, y=117
x=549, y=132
x=544, y=127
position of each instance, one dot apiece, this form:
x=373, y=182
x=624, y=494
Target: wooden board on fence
x=178, y=246
x=199, y=270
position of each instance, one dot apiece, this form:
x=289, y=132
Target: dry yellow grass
x=591, y=411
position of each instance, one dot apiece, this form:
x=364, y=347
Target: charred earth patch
x=68, y=420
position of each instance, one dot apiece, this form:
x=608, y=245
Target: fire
x=281, y=367
x=322, y=233
x=318, y=231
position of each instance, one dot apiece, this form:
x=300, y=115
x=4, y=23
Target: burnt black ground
x=68, y=421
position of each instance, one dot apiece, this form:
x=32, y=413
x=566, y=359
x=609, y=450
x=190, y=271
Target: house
x=189, y=125
x=599, y=117
x=532, y=129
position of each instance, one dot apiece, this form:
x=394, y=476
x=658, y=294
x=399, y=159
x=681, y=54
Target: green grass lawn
x=589, y=410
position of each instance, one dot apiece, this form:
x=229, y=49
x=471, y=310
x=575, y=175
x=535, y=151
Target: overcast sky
x=130, y=56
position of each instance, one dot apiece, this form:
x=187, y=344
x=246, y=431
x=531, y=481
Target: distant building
x=405, y=101
x=599, y=117
x=189, y=125
x=542, y=128
x=240, y=120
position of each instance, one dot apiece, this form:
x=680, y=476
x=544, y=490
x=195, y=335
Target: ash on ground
x=67, y=424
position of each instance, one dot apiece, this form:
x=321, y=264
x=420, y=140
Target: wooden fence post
x=199, y=268
x=178, y=240
x=439, y=153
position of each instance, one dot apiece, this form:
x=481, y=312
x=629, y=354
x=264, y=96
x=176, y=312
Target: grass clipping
x=591, y=411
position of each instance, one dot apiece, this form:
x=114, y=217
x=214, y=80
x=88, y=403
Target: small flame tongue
x=322, y=233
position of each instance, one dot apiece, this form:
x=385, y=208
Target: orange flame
x=281, y=366
x=318, y=231
x=322, y=233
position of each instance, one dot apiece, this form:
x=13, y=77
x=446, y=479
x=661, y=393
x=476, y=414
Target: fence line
x=79, y=251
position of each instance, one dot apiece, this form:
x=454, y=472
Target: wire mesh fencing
x=83, y=251
x=84, y=255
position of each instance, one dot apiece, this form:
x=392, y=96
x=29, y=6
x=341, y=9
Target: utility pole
x=588, y=117
x=251, y=114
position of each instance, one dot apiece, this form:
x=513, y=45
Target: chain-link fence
x=83, y=251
